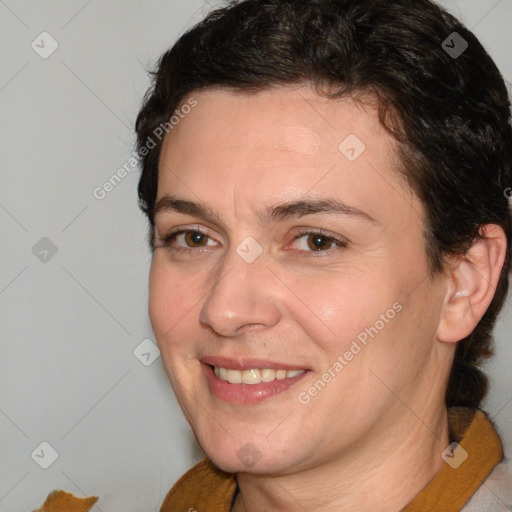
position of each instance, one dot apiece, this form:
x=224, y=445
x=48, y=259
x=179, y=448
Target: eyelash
x=167, y=239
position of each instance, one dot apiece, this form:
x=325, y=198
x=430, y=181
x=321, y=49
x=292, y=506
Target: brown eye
x=318, y=242
x=195, y=238
x=186, y=240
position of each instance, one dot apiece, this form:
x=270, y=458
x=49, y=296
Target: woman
x=325, y=186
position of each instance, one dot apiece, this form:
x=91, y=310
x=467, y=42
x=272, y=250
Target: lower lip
x=247, y=393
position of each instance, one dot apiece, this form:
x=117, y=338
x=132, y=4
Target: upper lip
x=247, y=363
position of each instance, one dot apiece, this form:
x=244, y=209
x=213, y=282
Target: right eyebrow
x=173, y=204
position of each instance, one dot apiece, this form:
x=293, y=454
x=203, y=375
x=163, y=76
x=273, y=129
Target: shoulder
x=203, y=485
x=495, y=493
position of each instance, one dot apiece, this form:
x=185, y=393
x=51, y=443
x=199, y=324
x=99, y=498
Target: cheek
x=358, y=315
x=332, y=310
x=168, y=299
x=159, y=297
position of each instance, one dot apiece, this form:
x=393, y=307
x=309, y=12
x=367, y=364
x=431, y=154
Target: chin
x=236, y=456
x=253, y=463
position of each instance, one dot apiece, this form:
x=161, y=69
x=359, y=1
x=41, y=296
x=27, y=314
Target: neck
x=385, y=474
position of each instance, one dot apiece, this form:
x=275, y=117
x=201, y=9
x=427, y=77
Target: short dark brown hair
x=449, y=112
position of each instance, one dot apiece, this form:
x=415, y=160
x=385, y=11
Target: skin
x=373, y=437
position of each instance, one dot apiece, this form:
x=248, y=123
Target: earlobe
x=472, y=281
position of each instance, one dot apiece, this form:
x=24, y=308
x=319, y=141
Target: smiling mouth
x=251, y=383
x=253, y=375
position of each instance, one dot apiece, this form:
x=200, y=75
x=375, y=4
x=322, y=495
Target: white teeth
x=268, y=375
x=293, y=373
x=251, y=376
x=254, y=375
x=234, y=376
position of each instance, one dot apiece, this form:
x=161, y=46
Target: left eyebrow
x=311, y=207
x=278, y=212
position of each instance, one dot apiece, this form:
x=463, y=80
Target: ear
x=472, y=281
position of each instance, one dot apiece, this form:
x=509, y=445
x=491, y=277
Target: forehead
x=281, y=144
x=283, y=118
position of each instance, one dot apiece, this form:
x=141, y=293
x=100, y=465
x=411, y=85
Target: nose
x=244, y=297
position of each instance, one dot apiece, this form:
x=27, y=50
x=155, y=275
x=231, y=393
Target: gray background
x=71, y=321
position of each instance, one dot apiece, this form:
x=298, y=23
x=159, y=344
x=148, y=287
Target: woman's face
x=308, y=255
